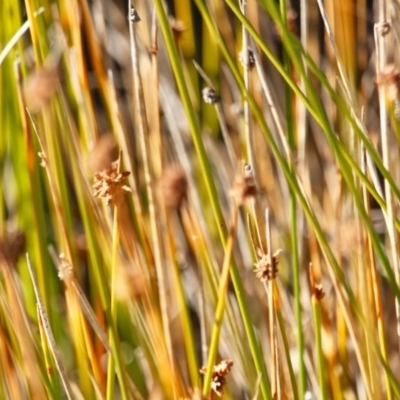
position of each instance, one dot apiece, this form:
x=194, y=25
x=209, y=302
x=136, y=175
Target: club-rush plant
x=199, y=199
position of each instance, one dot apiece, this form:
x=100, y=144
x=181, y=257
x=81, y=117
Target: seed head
x=318, y=291
x=266, y=268
x=65, y=270
x=134, y=16
x=173, y=186
x=177, y=27
x=109, y=184
x=210, y=95
x=12, y=245
x=103, y=153
x=251, y=61
x=43, y=159
x=244, y=186
x=218, y=377
x=40, y=87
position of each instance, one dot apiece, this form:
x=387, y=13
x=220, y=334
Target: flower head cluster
x=266, y=268
x=318, y=292
x=66, y=269
x=218, y=377
x=40, y=87
x=173, y=186
x=210, y=95
x=109, y=184
x=12, y=245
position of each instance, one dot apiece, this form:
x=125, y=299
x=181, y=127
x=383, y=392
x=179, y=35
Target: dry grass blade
x=49, y=334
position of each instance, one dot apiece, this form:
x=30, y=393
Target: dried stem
x=381, y=29
x=143, y=134
x=49, y=334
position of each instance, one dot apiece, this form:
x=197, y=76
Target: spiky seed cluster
x=108, y=184
x=218, y=377
x=251, y=61
x=40, y=87
x=244, y=187
x=12, y=245
x=173, y=186
x=266, y=268
x=66, y=270
x=210, y=95
x=318, y=292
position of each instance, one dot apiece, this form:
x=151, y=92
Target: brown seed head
x=109, y=184
x=173, y=186
x=130, y=284
x=12, y=245
x=40, y=87
x=103, y=153
x=218, y=377
x=266, y=268
x=318, y=292
x=244, y=186
x=177, y=27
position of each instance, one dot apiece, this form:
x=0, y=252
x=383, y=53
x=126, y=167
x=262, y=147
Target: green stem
x=219, y=313
x=114, y=342
x=318, y=344
x=293, y=220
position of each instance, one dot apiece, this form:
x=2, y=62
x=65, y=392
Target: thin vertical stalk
x=188, y=335
x=286, y=346
x=246, y=107
x=155, y=110
x=220, y=114
x=49, y=334
x=270, y=289
x=143, y=134
x=114, y=341
x=316, y=308
x=381, y=29
x=376, y=291
x=293, y=218
x=219, y=313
